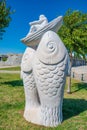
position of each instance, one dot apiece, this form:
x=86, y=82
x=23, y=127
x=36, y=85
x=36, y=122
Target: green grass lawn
x=12, y=106
x=12, y=68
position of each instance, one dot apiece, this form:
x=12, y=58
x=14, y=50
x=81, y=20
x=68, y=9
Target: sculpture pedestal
x=33, y=115
x=44, y=116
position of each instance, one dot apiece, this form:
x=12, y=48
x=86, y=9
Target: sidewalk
x=10, y=71
x=8, y=66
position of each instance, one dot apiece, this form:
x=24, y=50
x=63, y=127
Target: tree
x=74, y=34
x=4, y=17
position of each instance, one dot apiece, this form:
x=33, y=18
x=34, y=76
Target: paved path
x=8, y=66
x=9, y=71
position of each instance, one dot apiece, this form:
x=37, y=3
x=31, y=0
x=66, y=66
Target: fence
x=78, y=62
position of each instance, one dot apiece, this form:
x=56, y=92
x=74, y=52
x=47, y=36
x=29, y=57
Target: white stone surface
x=36, y=25
x=34, y=36
x=44, y=74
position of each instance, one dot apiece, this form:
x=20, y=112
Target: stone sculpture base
x=51, y=117
x=33, y=115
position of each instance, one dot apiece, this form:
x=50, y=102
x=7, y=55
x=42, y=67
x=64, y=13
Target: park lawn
x=12, y=106
x=17, y=68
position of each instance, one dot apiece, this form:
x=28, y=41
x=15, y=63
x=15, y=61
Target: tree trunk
x=69, y=77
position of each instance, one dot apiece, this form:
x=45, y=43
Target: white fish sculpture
x=44, y=73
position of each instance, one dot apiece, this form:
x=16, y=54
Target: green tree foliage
x=4, y=17
x=74, y=35
x=74, y=32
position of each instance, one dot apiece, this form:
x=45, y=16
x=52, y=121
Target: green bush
x=4, y=58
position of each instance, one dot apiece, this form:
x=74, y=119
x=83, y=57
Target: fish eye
x=50, y=45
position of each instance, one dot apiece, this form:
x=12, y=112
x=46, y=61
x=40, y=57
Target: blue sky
x=29, y=10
